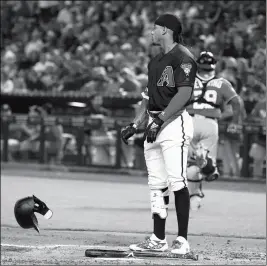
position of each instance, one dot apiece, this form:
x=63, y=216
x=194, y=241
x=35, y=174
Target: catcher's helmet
x=24, y=212
x=206, y=61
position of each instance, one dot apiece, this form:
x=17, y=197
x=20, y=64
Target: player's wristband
x=133, y=125
x=158, y=121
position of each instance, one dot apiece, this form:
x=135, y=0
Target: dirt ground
x=94, y=210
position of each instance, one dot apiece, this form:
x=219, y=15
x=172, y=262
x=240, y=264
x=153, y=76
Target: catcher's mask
x=206, y=61
x=24, y=212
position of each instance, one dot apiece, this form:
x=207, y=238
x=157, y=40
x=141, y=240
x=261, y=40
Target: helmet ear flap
x=35, y=223
x=41, y=208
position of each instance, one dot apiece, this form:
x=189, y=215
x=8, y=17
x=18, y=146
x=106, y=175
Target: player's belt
x=202, y=116
x=153, y=114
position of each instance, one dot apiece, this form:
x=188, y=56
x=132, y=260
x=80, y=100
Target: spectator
x=47, y=9
x=96, y=108
x=65, y=16
x=6, y=110
x=32, y=128
x=10, y=64
x=53, y=139
x=40, y=66
x=69, y=41
x=50, y=40
x=230, y=73
x=12, y=142
x=129, y=81
x=7, y=85
x=229, y=47
x=19, y=82
x=230, y=29
x=230, y=150
x=258, y=148
x=53, y=136
x=258, y=63
x=33, y=82
x=35, y=44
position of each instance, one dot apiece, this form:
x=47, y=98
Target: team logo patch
x=167, y=77
x=186, y=68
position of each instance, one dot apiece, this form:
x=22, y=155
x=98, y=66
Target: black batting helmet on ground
x=24, y=212
x=206, y=61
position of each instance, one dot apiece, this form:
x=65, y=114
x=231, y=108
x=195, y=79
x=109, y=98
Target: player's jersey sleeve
x=227, y=90
x=185, y=72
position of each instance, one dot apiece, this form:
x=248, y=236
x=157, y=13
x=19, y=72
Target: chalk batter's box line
x=79, y=246
x=104, y=251
x=64, y=245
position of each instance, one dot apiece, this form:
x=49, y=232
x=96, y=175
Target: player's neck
x=206, y=76
x=168, y=45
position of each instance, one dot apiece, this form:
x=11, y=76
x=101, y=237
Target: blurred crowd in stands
x=104, y=46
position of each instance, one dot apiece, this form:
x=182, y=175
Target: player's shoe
x=151, y=243
x=180, y=246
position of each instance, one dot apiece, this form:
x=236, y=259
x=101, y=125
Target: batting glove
x=128, y=132
x=153, y=129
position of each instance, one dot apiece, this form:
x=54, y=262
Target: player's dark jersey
x=168, y=72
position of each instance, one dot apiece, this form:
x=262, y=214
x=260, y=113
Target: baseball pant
x=166, y=158
x=206, y=133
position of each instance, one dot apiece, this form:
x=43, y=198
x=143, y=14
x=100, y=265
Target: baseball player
x=171, y=77
x=210, y=95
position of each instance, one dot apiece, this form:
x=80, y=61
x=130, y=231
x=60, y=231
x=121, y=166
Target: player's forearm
x=141, y=113
x=237, y=109
x=227, y=113
x=177, y=103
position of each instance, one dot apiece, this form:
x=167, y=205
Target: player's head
x=167, y=26
x=206, y=65
x=206, y=61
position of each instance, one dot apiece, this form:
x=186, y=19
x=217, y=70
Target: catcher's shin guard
x=210, y=171
x=207, y=165
x=194, y=178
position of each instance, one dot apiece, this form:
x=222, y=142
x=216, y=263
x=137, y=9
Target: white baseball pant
x=166, y=158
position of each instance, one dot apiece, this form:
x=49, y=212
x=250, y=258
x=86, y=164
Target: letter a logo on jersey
x=167, y=76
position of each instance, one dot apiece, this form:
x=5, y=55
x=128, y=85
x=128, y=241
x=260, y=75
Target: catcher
x=209, y=96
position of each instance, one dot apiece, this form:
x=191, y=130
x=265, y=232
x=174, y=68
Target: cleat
x=150, y=244
x=180, y=246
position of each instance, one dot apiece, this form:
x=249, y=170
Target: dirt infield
x=68, y=248
x=89, y=212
